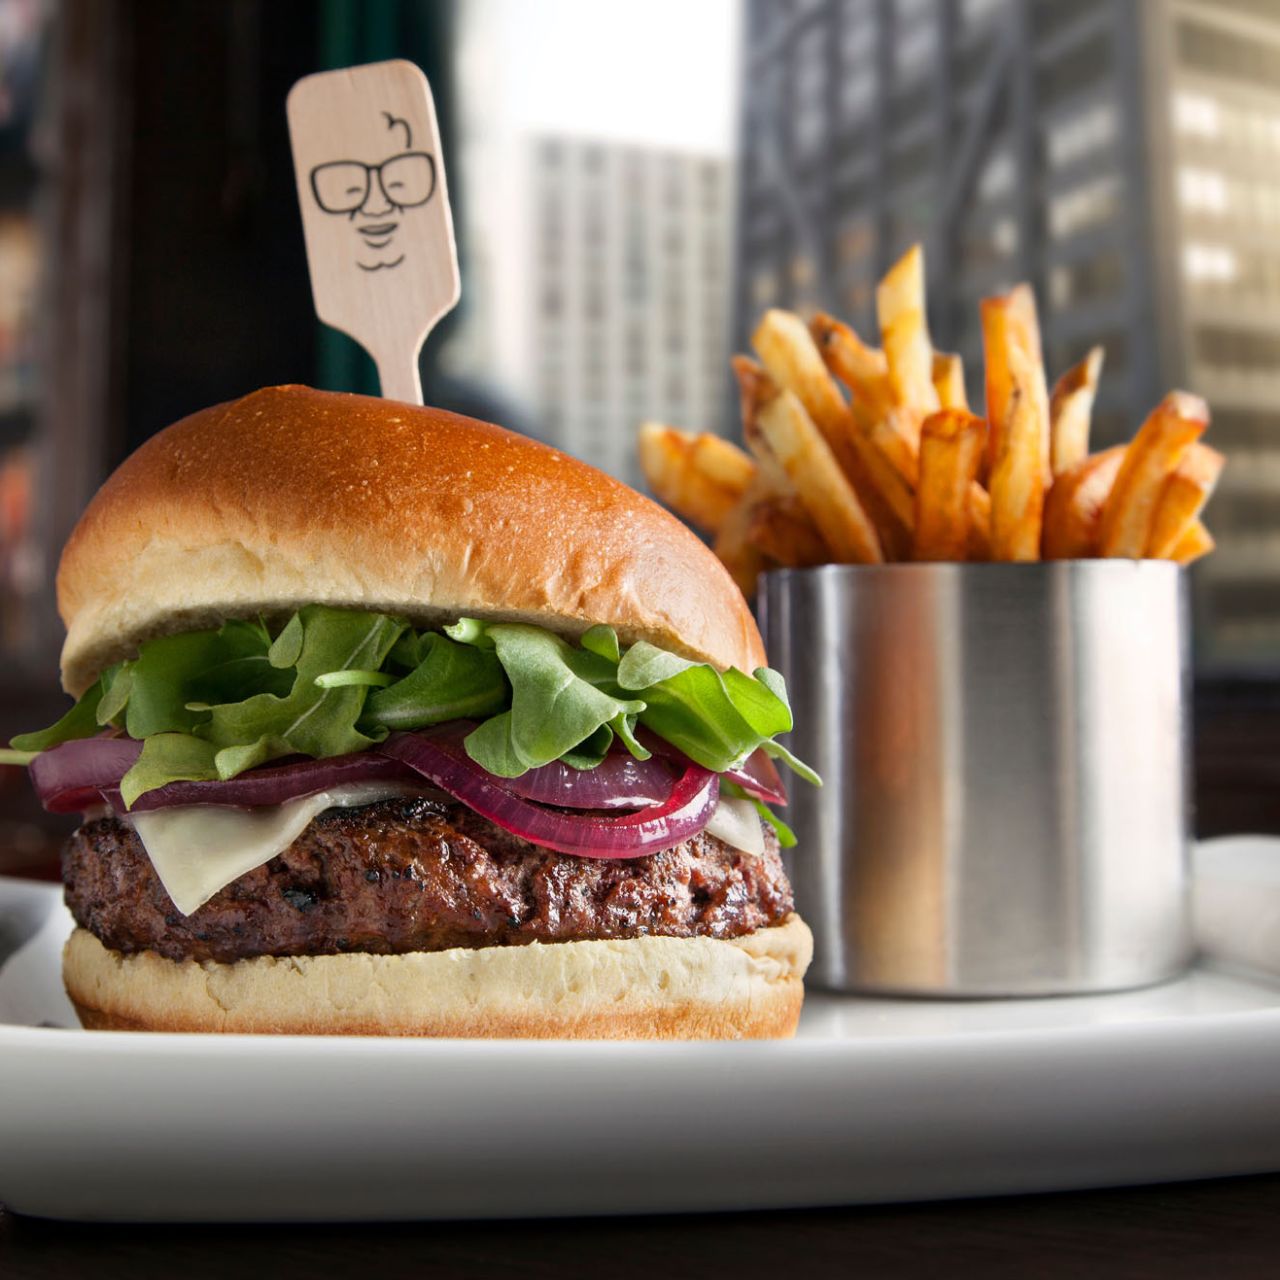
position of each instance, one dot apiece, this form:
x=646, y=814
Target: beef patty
x=419, y=875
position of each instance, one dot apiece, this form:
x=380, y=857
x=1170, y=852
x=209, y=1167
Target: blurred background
x=632, y=184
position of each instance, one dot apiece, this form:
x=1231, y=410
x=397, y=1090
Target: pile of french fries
x=858, y=455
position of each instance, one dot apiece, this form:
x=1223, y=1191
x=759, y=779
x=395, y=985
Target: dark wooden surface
x=1207, y=1229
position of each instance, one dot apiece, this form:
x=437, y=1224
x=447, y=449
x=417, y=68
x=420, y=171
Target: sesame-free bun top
x=291, y=496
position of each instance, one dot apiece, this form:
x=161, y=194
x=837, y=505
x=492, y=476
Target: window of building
x=1209, y=264
x=1202, y=190
x=1195, y=113
x=1096, y=278
x=1229, y=348
x=1091, y=204
x=1080, y=134
x=1233, y=55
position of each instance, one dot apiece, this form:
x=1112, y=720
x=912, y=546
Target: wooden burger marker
x=375, y=211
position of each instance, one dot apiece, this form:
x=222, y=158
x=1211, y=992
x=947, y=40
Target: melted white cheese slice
x=201, y=848
x=736, y=822
x=197, y=850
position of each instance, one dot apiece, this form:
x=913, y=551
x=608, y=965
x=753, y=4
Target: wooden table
x=1205, y=1229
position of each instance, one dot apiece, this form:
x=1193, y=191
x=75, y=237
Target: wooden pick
x=375, y=211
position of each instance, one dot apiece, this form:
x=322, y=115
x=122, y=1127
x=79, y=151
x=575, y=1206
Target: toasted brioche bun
x=291, y=496
x=648, y=988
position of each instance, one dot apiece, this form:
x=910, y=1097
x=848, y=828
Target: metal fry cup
x=1004, y=748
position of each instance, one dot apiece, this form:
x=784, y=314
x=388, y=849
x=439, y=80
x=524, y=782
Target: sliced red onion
x=70, y=778
x=757, y=775
x=271, y=784
x=619, y=781
x=682, y=815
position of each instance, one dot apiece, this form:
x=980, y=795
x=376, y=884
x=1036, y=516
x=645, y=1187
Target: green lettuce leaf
x=560, y=700
x=309, y=720
x=211, y=704
x=449, y=681
x=80, y=722
x=165, y=758
x=716, y=719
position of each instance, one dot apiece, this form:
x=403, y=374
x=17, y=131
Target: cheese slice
x=736, y=822
x=201, y=848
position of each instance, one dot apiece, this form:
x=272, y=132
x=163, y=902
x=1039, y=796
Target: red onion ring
x=270, y=784
x=757, y=775
x=69, y=778
x=684, y=813
x=619, y=781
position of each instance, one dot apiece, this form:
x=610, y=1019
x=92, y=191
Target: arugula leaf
x=602, y=640
x=717, y=720
x=168, y=757
x=80, y=722
x=196, y=667
x=559, y=699
x=211, y=704
x=245, y=666
x=117, y=684
x=310, y=720
x=451, y=681
x=286, y=649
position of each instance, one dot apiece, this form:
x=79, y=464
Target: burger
x=389, y=721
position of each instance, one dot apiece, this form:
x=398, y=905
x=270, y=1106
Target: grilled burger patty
x=419, y=875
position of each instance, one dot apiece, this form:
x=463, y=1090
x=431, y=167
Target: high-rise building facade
x=1122, y=156
x=627, y=313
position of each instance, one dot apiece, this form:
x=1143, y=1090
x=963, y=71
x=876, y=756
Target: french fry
x=904, y=332
x=1017, y=472
x=823, y=488
x=1185, y=494
x=755, y=389
x=863, y=370
x=784, y=531
x=792, y=358
x=951, y=445
x=788, y=352
x=1070, y=408
x=733, y=545
x=948, y=381
x=1009, y=323
x=1155, y=454
x=1196, y=542
x=979, y=521
x=1073, y=509
x=700, y=476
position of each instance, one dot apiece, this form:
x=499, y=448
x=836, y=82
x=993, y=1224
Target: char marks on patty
x=420, y=875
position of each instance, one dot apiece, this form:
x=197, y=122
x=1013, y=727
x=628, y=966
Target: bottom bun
x=641, y=989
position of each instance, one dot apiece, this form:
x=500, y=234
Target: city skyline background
x=630, y=194
x=1117, y=156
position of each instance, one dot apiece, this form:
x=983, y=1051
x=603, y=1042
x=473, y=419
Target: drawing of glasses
x=406, y=181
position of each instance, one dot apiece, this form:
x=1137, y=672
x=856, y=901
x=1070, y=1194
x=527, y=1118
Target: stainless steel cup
x=1005, y=750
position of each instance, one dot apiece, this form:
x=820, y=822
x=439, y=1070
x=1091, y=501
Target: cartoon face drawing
x=376, y=197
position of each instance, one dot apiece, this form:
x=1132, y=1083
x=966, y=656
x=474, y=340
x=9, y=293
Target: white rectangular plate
x=875, y=1100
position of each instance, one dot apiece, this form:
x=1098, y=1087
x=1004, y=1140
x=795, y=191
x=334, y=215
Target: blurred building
x=628, y=307
x=1122, y=157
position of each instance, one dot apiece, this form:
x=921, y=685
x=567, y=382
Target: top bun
x=291, y=496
